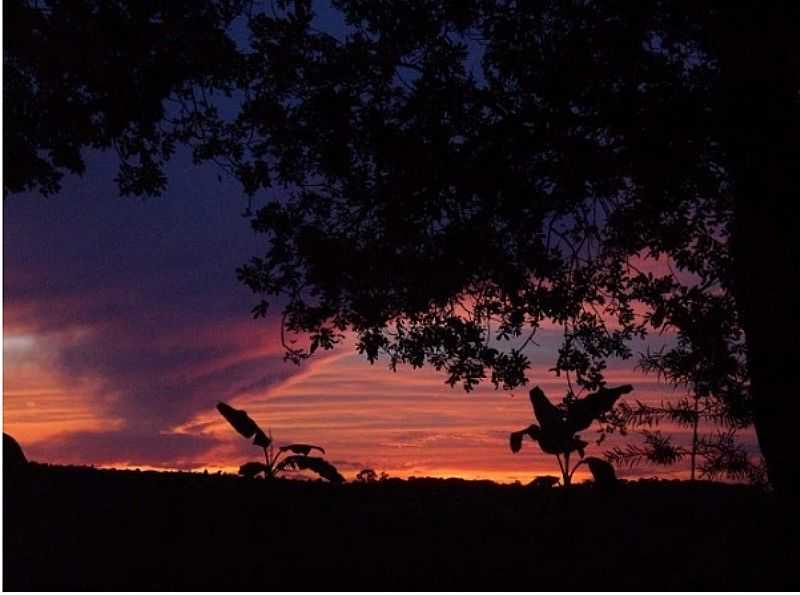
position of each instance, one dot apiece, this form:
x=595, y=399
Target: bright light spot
x=18, y=343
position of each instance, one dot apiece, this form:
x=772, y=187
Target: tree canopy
x=90, y=74
x=454, y=175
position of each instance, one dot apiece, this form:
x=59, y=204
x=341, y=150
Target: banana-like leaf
x=602, y=471
x=515, y=440
x=583, y=412
x=261, y=439
x=239, y=419
x=556, y=441
x=301, y=449
x=553, y=440
x=252, y=469
x=547, y=414
x=575, y=444
x=316, y=464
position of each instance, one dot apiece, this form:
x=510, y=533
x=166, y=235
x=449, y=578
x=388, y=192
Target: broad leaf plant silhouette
x=558, y=427
x=277, y=460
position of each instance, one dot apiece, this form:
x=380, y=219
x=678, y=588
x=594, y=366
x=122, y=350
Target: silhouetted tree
x=715, y=454
x=450, y=175
x=458, y=173
x=716, y=394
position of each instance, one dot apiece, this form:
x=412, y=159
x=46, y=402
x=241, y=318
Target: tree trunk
x=767, y=275
x=761, y=78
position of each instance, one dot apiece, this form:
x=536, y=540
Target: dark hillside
x=86, y=529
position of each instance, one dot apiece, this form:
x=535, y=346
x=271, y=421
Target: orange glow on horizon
x=38, y=401
x=408, y=423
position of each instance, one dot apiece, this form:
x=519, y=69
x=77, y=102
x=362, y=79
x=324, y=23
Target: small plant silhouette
x=557, y=431
x=276, y=460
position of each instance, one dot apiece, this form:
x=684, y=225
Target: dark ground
x=70, y=528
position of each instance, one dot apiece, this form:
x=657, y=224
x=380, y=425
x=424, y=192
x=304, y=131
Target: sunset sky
x=124, y=325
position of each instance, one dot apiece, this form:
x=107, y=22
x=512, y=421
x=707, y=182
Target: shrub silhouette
x=557, y=432
x=276, y=460
x=14, y=461
x=544, y=482
x=602, y=471
x=367, y=476
x=13, y=457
